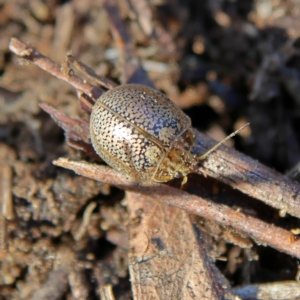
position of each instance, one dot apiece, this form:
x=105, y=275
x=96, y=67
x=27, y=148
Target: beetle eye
x=178, y=175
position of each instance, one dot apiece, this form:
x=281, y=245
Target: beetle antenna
x=222, y=142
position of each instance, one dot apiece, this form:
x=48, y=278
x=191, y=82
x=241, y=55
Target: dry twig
x=274, y=290
x=6, y=201
x=261, y=232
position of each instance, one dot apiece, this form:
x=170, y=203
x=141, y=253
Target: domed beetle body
x=138, y=131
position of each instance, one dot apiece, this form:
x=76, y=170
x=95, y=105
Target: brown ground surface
x=224, y=62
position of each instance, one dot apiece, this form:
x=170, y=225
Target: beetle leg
x=184, y=181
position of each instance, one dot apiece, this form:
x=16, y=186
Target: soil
x=225, y=63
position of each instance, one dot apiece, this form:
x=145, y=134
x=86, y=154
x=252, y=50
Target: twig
x=106, y=292
x=30, y=54
x=132, y=71
x=274, y=290
x=261, y=232
x=250, y=177
x=90, y=73
x=76, y=130
x=6, y=205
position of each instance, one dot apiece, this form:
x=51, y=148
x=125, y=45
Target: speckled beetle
x=138, y=131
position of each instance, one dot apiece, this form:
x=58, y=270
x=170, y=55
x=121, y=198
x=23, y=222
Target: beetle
x=140, y=132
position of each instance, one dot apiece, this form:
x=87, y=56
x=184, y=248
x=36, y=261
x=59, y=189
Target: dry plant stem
x=250, y=177
x=89, y=72
x=6, y=205
x=121, y=37
x=261, y=232
x=78, y=126
x=76, y=130
x=132, y=71
x=226, y=165
x=32, y=55
x=3, y=237
x=266, y=291
x=6, y=191
x=142, y=11
x=106, y=292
